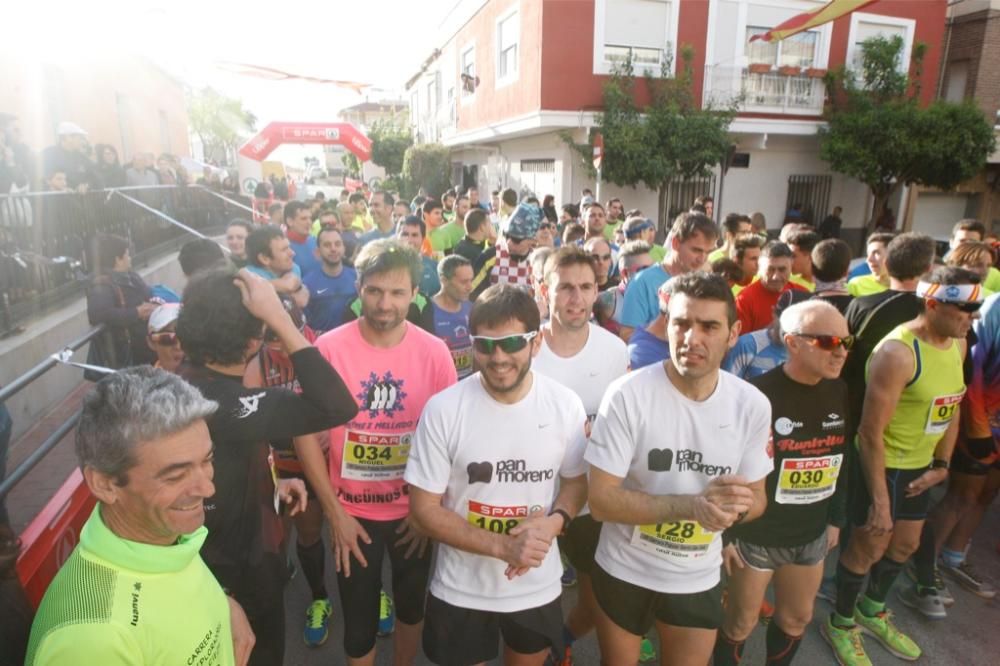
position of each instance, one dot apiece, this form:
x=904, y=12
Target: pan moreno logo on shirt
x=507, y=471
x=684, y=460
x=383, y=394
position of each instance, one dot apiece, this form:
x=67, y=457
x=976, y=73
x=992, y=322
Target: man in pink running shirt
x=392, y=368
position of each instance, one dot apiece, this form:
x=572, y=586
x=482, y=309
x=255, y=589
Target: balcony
x=792, y=91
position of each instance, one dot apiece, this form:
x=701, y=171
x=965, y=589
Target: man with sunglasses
x=905, y=441
x=806, y=491
x=507, y=261
x=644, y=229
x=605, y=256
x=162, y=337
x=678, y=453
x=497, y=473
x=392, y=368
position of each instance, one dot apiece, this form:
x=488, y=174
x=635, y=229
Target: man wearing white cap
x=68, y=156
x=162, y=337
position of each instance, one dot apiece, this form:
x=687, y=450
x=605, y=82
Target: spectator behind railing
x=69, y=157
x=109, y=168
x=119, y=298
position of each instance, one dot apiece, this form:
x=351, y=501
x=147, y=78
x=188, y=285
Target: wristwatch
x=940, y=463
x=565, y=517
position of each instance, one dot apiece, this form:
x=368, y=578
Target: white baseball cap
x=163, y=316
x=67, y=128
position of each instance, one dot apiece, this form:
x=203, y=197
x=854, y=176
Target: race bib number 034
x=942, y=412
x=369, y=457
x=808, y=480
x=496, y=519
x=684, y=540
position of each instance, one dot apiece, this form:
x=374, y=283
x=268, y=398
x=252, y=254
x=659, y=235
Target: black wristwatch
x=565, y=517
x=940, y=463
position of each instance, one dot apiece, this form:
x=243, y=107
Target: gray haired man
x=135, y=589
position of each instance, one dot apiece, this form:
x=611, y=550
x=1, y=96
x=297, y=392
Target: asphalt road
x=970, y=636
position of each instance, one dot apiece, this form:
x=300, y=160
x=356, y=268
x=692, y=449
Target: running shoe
x=317, y=622
x=884, y=630
x=966, y=576
x=568, y=576
x=848, y=648
x=386, y=615
x=646, y=651
x=929, y=604
x=944, y=594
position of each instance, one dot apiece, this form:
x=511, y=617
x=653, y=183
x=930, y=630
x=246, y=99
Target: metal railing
x=800, y=92
x=45, y=237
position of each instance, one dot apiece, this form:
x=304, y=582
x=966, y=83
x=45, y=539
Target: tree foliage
x=352, y=164
x=672, y=137
x=428, y=165
x=390, y=140
x=220, y=122
x=878, y=133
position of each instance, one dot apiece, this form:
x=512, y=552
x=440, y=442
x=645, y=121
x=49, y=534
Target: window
x=866, y=26
x=958, y=79
x=795, y=51
x=646, y=30
x=468, y=72
x=508, y=35
x=538, y=166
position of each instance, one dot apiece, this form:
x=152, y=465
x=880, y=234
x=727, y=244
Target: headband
x=950, y=293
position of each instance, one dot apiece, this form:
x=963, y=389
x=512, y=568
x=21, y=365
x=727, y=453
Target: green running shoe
x=847, y=646
x=885, y=631
x=317, y=622
x=386, y=615
x=646, y=651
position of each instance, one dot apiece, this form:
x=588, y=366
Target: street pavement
x=970, y=636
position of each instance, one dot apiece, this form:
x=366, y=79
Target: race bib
x=942, y=412
x=462, y=358
x=496, y=519
x=683, y=540
x=808, y=480
x=369, y=457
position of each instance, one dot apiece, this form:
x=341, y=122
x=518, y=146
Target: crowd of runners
x=502, y=398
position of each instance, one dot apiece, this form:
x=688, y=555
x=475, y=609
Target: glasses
x=510, y=344
x=167, y=339
x=964, y=306
x=828, y=342
x=545, y=225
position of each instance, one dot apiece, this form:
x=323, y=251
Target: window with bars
x=538, y=166
x=810, y=195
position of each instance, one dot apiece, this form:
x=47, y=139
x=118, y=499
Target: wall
x=115, y=101
x=975, y=40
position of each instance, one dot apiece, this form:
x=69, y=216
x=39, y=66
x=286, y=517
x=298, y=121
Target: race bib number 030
x=942, y=412
x=684, y=540
x=369, y=457
x=496, y=519
x=808, y=480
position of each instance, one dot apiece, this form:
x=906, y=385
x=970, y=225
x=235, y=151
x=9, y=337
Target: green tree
x=220, y=122
x=878, y=133
x=671, y=137
x=428, y=165
x=390, y=140
x=352, y=164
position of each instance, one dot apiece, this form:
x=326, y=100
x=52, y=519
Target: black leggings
x=359, y=594
x=260, y=590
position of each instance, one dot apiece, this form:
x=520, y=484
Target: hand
x=548, y=527
x=832, y=537
x=928, y=479
x=417, y=541
x=709, y=516
x=525, y=546
x=260, y=298
x=293, y=493
x=347, y=532
x=730, y=493
x=879, y=520
x=145, y=309
x=731, y=559
x=243, y=636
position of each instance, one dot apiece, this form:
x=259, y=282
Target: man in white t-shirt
x=584, y=358
x=679, y=452
x=496, y=472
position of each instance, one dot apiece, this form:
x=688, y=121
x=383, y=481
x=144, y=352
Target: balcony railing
x=788, y=90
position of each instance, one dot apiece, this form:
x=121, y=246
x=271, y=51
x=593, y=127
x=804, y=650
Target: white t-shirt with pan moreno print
x=663, y=443
x=494, y=464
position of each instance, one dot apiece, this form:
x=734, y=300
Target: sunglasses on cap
x=165, y=339
x=510, y=344
x=968, y=307
x=828, y=342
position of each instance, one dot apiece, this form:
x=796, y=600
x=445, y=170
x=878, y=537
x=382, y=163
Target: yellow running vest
x=927, y=404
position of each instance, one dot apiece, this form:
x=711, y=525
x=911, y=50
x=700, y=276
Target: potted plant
x=789, y=70
x=759, y=68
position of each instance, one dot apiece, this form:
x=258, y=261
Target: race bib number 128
x=682, y=540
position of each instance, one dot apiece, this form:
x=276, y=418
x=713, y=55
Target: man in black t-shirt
x=805, y=491
x=221, y=327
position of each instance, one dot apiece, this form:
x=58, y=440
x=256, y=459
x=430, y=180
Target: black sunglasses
x=510, y=344
x=828, y=342
x=965, y=306
x=165, y=339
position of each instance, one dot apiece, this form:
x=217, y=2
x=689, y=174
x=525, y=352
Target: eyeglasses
x=510, y=344
x=166, y=339
x=965, y=306
x=545, y=225
x=828, y=342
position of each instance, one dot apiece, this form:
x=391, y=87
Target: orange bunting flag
x=828, y=12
